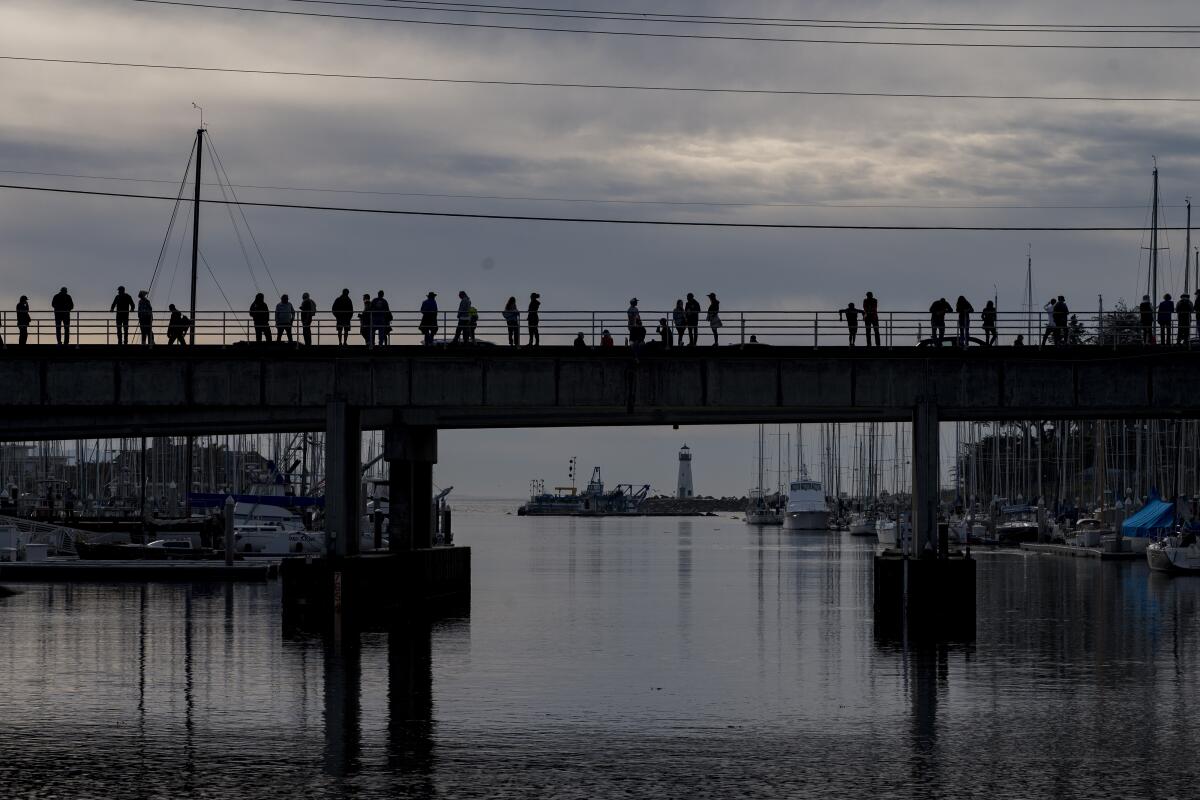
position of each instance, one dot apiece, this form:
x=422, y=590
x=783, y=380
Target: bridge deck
x=50, y=391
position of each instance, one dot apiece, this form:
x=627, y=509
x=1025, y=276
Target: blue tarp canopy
x=1156, y=515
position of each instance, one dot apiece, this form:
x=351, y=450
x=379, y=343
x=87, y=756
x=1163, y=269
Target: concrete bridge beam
x=411, y=452
x=925, y=452
x=343, y=467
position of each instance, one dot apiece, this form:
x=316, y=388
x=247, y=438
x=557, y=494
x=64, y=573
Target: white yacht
x=893, y=534
x=806, y=508
x=1179, y=553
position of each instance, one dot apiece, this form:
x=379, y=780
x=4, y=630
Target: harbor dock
x=75, y=570
x=1082, y=552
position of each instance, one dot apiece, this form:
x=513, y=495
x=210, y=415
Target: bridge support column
x=343, y=465
x=411, y=452
x=925, y=447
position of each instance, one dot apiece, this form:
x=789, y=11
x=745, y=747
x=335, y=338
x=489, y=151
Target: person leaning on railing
x=260, y=315
x=1183, y=317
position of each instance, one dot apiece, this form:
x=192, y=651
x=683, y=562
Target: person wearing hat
x=1166, y=310
x=1183, y=316
x=122, y=304
x=63, y=305
x=512, y=318
x=429, y=312
x=637, y=333
x=532, y=318
x=145, y=313
x=714, y=315
x=1146, y=319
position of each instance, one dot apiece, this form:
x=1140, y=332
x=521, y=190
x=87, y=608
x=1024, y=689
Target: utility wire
x=609, y=86
x=665, y=35
x=639, y=12
x=702, y=19
x=609, y=201
x=242, y=211
x=605, y=220
x=171, y=224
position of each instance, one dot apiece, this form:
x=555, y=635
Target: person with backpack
x=512, y=318
x=1060, y=317
x=343, y=316
x=937, y=318
x=177, y=326
x=381, y=318
x=964, y=309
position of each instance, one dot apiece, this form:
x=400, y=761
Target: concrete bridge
x=412, y=392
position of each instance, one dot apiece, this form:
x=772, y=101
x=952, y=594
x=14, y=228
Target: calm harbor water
x=658, y=657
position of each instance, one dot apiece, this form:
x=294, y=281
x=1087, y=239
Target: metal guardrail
x=781, y=327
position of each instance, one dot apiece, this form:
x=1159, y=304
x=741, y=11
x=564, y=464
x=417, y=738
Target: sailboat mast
x=1187, y=248
x=1154, y=241
x=196, y=229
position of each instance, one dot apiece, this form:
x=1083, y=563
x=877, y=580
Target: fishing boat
x=806, y=508
x=594, y=501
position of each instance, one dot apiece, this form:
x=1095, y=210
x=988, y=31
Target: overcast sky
x=594, y=145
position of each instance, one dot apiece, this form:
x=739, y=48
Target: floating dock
x=1081, y=552
x=75, y=570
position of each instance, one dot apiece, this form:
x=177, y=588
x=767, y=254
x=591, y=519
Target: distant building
x=685, y=473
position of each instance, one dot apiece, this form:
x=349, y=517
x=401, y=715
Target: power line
x=639, y=12
x=610, y=201
x=606, y=86
x=666, y=35
x=704, y=19
x=604, y=220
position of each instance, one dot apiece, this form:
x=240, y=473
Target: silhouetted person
x=1049, y=332
x=23, y=320
x=580, y=343
x=285, y=314
x=1061, y=315
x=713, y=315
x=870, y=311
x=1166, y=309
x=664, y=333
x=989, y=324
x=512, y=319
x=145, y=312
x=1183, y=317
x=463, y=329
x=851, y=314
x=381, y=318
x=364, y=321
x=122, y=304
x=176, y=327
x=606, y=339
x=637, y=331
x=679, y=320
x=343, y=316
x=937, y=318
x=533, y=319
x=429, y=314
x=1146, y=319
x=964, y=310
x=692, y=311
x=1019, y=341
x=260, y=314
x=308, y=310
x=63, y=305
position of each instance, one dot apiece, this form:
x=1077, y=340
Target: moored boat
x=806, y=507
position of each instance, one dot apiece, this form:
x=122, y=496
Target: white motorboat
x=1179, y=553
x=270, y=539
x=1089, y=532
x=861, y=525
x=806, y=508
x=893, y=534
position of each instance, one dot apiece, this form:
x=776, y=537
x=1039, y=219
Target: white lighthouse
x=685, y=473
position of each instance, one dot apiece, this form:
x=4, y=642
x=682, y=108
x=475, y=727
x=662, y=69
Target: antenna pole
x=196, y=229
x=1188, y=246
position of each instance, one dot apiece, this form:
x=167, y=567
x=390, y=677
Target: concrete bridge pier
x=929, y=590
x=411, y=452
x=343, y=465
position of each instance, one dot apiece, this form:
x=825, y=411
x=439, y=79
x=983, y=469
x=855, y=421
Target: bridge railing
x=817, y=328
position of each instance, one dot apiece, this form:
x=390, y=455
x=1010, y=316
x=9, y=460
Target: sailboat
x=761, y=510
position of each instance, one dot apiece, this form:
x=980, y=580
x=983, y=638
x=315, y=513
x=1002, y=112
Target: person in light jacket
x=285, y=313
